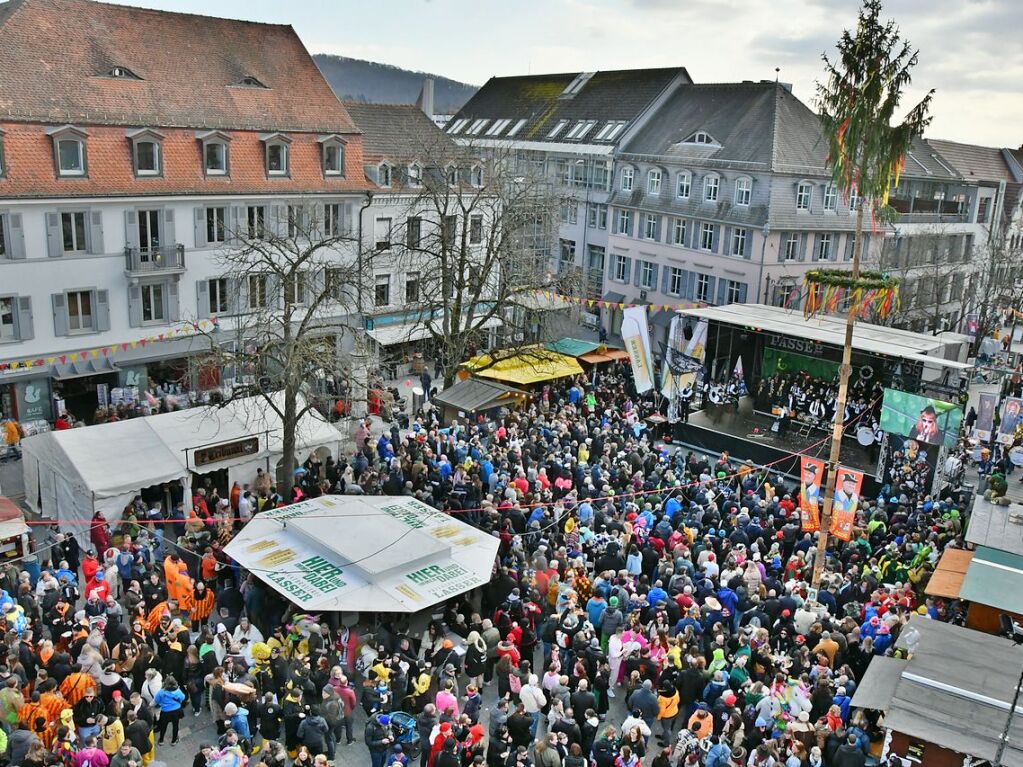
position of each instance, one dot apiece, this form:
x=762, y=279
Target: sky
x=970, y=50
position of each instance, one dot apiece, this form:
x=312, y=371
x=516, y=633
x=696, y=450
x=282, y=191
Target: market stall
x=530, y=365
x=475, y=396
x=71, y=474
x=396, y=554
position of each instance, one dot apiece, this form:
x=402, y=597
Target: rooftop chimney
x=425, y=100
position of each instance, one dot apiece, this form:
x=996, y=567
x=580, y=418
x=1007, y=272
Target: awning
x=663, y=317
x=12, y=521
x=947, y=578
x=527, y=366
x=995, y=579
x=595, y=358
x=391, y=335
x=614, y=298
x=396, y=554
x=878, y=685
x=476, y=395
x=82, y=368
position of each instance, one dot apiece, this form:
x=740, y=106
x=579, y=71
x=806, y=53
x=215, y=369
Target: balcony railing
x=161, y=259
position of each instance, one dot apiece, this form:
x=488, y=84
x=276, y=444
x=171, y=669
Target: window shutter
x=783, y=240
x=202, y=304
x=665, y=280
x=102, y=310
x=315, y=285
x=59, y=313
x=689, y=284
x=657, y=227
x=726, y=231
x=722, y=286
x=25, y=326
x=134, y=306
x=813, y=248
x=131, y=229
x=653, y=285
x=200, y=227
x=803, y=238
x=170, y=239
x=54, y=238
x=742, y=292
x=96, y=231
x=236, y=225
x=629, y=276
x=716, y=240
x=173, y=305
x=15, y=237
x=274, y=292
x=235, y=295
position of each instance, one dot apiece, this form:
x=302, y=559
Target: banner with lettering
x=636, y=335
x=847, y=500
x=811, y=485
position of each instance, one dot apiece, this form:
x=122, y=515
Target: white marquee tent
x=365, y=553
x=69, y=475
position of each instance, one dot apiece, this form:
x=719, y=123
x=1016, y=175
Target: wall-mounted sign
x=240, y=448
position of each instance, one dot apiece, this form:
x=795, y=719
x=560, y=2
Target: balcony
x=162, y=260
x=920, y=210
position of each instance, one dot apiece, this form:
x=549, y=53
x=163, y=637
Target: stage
x=747, y=435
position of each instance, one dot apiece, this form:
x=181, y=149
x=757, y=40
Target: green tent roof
x=573, y=347
x=995, y=579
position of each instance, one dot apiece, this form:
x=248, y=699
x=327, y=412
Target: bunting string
x=600, y=303
x=187, y=329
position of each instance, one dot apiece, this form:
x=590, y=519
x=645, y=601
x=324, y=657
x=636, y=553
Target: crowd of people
x=814, y=400
x=648, y=605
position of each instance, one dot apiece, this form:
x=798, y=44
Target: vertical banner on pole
x=847, y=500
x=811, y=483
x=636, y=334
x=986, y=403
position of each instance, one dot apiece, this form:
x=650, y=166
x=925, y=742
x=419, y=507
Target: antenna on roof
x=776, y=71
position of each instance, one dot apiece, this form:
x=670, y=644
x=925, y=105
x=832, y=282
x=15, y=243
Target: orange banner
x=847, y=500
x=811, y=493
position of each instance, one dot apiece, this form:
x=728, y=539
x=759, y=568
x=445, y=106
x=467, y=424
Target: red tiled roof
x=28, y=151
x=56, y=55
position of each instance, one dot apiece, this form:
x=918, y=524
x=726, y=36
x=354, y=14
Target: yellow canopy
x=528, y=366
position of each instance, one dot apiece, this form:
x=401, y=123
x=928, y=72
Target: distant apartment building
x=567, y=129
x=135, y=147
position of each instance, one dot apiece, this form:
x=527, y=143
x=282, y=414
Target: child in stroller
x=406, y=733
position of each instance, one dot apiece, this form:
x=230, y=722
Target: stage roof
x=828, y=329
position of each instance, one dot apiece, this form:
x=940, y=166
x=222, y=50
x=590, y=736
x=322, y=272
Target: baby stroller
x=406, y=733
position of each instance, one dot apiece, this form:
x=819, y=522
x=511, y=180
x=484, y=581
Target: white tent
x=365, y=553
x=69, y=475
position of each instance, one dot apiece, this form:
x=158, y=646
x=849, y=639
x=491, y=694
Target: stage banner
x=921, y=418
x=811, y=484
x=636, y=335
x=986, y=404
x=698, y=343
x=1011, y=412
x=847, y=500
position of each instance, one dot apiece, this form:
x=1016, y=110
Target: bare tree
x=291, y=276
x=476, y=231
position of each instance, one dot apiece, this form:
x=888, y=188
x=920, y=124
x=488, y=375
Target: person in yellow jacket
x=111, y=734
x=667, y=702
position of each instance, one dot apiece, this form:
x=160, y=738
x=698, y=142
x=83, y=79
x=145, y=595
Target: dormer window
x=216, y=156
x=147, y=152
x=277, y=151
x=700, y=137
x=333, y=155
x=250, y=82
x=452, y=175
x=415, y=175
x=384, y=175
x=69, y=151
x=122, y=73
x=476, y=176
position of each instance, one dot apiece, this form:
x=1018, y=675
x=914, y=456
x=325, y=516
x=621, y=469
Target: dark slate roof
x=57, y=54
x=620, y=95
x=397, y=132
x=756, y=126
x=923, y=162
x=973, y=162
x=474, y=394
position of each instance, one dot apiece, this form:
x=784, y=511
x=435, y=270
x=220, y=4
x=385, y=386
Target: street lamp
x=766, y=231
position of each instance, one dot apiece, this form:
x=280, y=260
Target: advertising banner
x=811, y=493
x=847, y=500
x=636, y=335
x=1011, y=412
x=921, y=418
x=696, y=345
x=986, y=404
